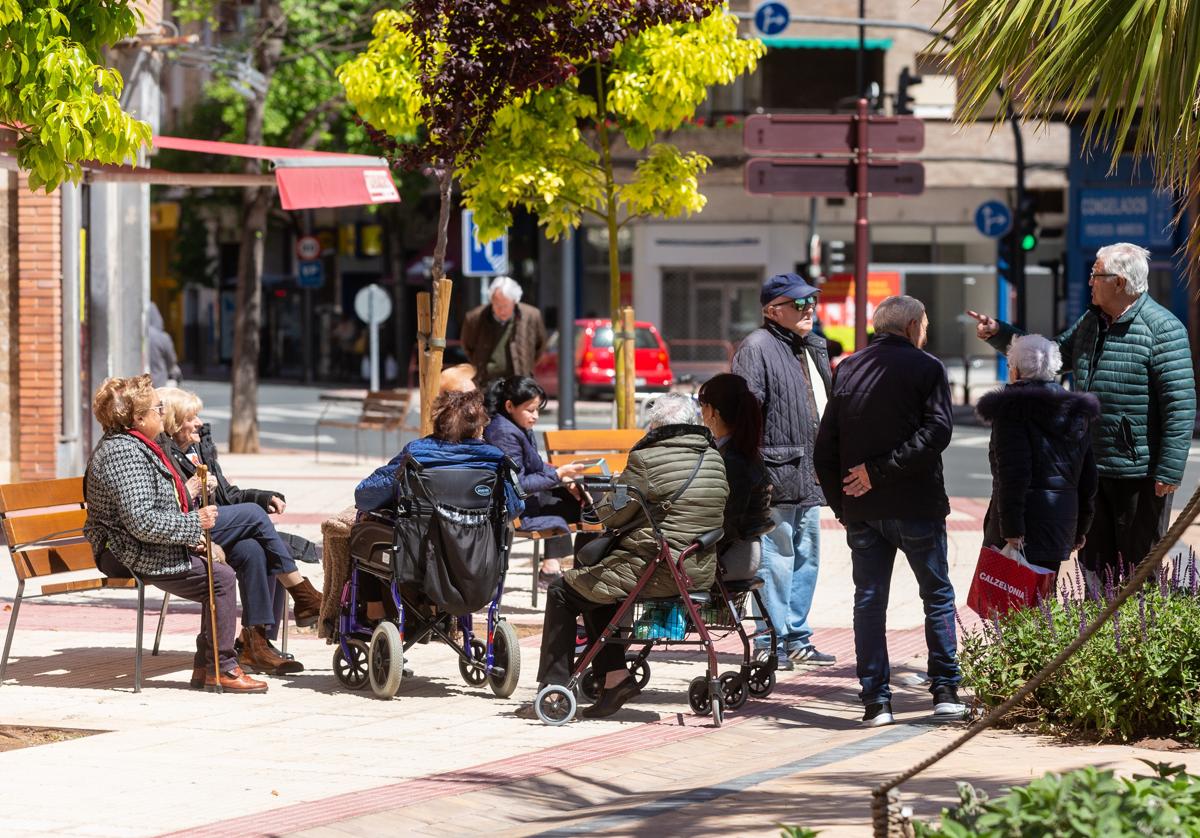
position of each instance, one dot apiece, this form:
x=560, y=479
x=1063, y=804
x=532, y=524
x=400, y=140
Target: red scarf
x=180, y=493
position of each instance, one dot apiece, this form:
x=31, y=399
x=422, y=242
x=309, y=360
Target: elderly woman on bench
x=678, y=470
x=257, y=552
x=141, y=518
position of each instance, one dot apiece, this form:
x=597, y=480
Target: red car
x=594, y=370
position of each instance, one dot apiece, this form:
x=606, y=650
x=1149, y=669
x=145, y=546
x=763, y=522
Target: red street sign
x=832, y=178
x=831, y=134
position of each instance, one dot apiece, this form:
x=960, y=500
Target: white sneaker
x=878, y=715
x=946, y=704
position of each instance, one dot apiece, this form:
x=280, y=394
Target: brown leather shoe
x=307, y=602
x=258, y=656
x=198, y=673
x=236, y=681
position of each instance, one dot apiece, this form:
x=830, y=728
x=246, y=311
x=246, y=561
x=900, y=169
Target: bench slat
x=47, y=561
x=102, y=583
x=580, y=441
x=23, y=529
x=17, y=497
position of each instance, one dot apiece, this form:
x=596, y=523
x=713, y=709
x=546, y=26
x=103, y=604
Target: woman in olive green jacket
x=662, y=462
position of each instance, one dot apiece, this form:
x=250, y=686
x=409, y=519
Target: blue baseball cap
x=786, y=285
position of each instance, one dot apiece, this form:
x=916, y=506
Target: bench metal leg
x=537, y=563
x=137, y=661
x=162, y=618
x=12, y=626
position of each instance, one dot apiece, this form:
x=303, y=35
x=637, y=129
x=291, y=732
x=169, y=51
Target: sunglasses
x=803, y=303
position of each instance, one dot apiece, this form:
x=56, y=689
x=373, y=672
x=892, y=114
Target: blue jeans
x=791, y=556
x=873, y=546
x=257, y=554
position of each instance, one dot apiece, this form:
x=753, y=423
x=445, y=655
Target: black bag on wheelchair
x=451, y=536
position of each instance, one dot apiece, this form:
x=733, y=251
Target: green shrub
x=1086, y=802
x=1138, y=676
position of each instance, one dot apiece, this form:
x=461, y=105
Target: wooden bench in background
x=564, y=447
x=385, y=411
x=43, y=526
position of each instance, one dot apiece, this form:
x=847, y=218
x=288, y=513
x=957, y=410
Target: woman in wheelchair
x=677, y=469
x=457, y=440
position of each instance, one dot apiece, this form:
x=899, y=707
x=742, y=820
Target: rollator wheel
x=698, y=698
x=385, y=663
x=506, y=652
x=718, y=710
x=761, y=680
x=734, y=691
x=589, y=685
x=639, y=669
x=351, y=672
x=555, y=705
x=472, y=671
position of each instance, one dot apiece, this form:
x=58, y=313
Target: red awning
x=306, y=179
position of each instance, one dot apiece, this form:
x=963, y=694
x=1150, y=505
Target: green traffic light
x=1028, y=241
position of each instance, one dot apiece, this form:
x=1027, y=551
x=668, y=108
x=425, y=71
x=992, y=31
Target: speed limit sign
x=308, y=248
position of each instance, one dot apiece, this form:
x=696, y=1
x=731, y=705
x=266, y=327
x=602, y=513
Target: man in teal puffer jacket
x=1135, y=356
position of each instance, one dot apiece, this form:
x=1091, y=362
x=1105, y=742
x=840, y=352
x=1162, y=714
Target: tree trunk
x=243, y=425
x=435, y=343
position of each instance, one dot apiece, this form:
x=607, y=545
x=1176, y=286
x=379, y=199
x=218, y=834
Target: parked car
x=594, y=371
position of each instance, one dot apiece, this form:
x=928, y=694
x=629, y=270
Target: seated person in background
x=139, y=516
x=551, y=503
x=676, y=456
x=457, y=440
x=732, y=413
x=253, y=547
x=1043, y=470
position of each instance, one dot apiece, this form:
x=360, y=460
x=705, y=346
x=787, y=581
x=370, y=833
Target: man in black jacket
x=786, y=367
x=879, y=460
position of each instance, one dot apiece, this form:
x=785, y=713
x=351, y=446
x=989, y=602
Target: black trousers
x=193, y=585
x=1130, y=518
x=563, y=606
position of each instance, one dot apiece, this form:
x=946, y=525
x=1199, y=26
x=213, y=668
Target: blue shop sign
x=1140, y=215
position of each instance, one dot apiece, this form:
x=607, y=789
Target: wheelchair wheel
x=506, y=652
x=351, y=673
x=555, y=705
x=639, y=669
x=698, y=698
x=589, y=685
x=761, y=680
x=385, y=662
x=734, y=691
x=472, y=671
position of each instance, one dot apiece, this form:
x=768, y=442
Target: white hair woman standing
x=1043, y=470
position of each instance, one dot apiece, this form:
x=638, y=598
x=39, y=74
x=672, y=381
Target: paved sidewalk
x=310, y=758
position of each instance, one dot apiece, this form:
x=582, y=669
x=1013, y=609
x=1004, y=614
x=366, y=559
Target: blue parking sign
x=482, y=258
x=311, y=274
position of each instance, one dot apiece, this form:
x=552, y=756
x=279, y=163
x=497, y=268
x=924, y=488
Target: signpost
x=310, y=275
x=861, y=135
x=993, y=219
x=373, y=306
x=308, y=248
x=771, y=18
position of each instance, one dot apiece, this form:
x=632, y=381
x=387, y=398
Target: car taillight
x=589, y=357
x=662, y=357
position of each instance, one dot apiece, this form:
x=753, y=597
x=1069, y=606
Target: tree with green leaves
x=550, y=148
x=55, y=92
x=1132, y=65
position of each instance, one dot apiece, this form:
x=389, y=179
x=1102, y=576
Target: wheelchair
x=708, y=694
x=431, y=564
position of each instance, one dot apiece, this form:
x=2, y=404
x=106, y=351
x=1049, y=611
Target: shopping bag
x=1003, y=581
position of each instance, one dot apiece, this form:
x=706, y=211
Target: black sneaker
x=878, y=715
x=947, y=705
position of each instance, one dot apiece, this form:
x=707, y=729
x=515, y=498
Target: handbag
x=601, y=545
x=1004, y=580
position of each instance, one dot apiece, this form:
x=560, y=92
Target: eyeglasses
x=161, y=408
x=1094, y=275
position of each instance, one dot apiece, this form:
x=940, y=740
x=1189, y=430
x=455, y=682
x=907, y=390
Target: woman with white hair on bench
x=678, y=470
x=1043, y=470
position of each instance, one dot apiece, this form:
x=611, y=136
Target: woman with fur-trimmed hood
x=1043, y=470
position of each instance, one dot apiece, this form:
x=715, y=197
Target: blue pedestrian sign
x=771, y=18
x=993, y=219
x=482, y=258
x=311, y=274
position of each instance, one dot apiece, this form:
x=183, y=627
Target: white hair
x=670, y=409
x=1034, y=357
x=893, y=315
x=1130, y=261
x=507, y=286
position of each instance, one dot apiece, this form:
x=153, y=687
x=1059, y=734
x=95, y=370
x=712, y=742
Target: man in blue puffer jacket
x=1134, y=355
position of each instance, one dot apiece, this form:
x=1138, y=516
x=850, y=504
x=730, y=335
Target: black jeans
x=193, y=585
x=563, y=606
x=1130, y=518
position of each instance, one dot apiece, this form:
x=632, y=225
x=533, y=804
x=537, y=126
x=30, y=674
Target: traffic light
x=903, y=99
x=1025, y=228
x=833, y=257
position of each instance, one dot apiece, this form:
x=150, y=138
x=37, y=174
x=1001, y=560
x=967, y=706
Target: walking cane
x=202, y=473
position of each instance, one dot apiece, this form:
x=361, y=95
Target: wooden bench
x=564, y=447
x=43, y=526
x=382, y=410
